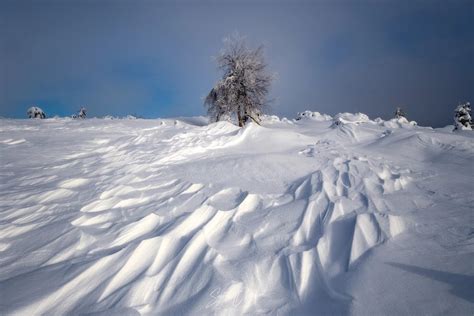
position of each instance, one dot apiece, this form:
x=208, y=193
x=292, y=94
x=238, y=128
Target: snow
x=319, y=215
x=316, y=116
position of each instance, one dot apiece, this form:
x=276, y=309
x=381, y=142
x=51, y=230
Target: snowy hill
x=321, y=215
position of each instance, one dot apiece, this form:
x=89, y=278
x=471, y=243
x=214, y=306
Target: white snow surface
x=312, y=116
x=175, y=216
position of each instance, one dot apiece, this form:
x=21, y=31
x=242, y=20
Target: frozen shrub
x=81, y=114
x=36, y=112
x=462, y=117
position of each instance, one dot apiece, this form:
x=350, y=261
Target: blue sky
x=154, y=58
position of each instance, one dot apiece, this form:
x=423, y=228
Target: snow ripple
x=140, y=239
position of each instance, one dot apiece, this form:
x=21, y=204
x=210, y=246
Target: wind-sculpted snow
x=171, y=217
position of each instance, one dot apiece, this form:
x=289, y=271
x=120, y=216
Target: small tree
x=36, y=112
x=462, y=117
x=399, y=113
x=242, y=92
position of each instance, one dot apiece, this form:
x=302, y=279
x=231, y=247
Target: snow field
x=177, y=216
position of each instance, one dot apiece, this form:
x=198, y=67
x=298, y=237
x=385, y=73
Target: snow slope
x=316, y=216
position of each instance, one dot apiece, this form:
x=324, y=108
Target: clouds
x=154, y=58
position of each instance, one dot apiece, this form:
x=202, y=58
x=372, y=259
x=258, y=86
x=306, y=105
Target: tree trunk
x=240, y=118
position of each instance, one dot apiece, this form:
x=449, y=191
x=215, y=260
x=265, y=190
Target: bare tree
x=242, y=92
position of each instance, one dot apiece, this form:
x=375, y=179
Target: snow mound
x=350, y=118
x=126, y=117
x=401, y=122
x=273, y=119
x=269, y=118
x=316, y=116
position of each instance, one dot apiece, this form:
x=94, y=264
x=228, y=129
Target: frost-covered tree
x=399, y=113
x=81, y=114
x=462, y=117
x=36, y=112
x=242, y=92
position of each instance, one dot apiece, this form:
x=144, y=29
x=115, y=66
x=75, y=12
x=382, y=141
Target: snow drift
x=315, y=216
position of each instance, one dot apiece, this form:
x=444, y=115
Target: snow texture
x=321, y=215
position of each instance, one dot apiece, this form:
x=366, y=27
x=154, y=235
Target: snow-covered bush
x=399, y=113
x=462, y=117
x=316, y=116
x=36, y=112
x=81, y=114
x=242, y=92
